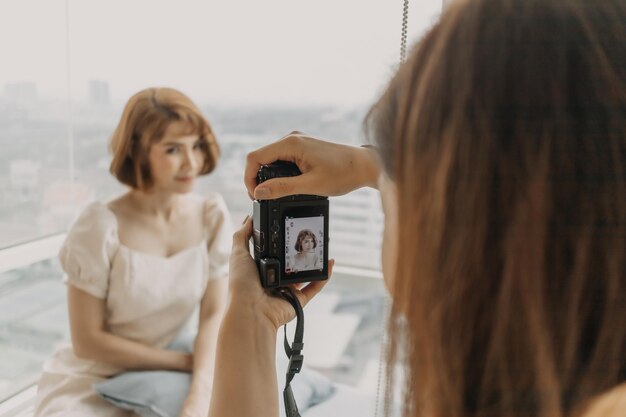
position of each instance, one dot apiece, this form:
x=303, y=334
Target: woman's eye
x=172, y=150
x=198, y=145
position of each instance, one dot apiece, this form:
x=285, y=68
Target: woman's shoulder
x=215, y=211
x=97, y=216
x=610, y=404
x=213, y=201
x=89, y=247
x=96, y=225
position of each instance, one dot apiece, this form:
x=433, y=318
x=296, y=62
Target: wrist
x=201, y=385
x=245, y=317
x=369, y=165
x=199, y=397
x=183, y=362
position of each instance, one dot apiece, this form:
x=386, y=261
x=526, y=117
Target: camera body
x=290, y=233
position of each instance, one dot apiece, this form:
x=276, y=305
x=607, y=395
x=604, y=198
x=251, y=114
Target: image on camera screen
x=304, y=244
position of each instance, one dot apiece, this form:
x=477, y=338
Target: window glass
x=33, y=319
x=36, y=197
x=258, y=70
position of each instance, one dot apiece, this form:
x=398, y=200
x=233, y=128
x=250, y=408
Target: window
x=33, y=319
x=258, y=70
x=34, y=130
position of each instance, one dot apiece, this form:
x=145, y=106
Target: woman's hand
x=327, y=168
x=186, y=362
x=245, y=285
x=196, y=404
x=91, y=341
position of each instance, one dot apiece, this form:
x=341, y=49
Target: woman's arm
x=91, y=339
x=245, y=372
x=327, y=168
x=211, y=312
x=245, y=378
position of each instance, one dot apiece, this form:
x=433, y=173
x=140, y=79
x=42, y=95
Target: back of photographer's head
x=505, y=135
x=145, y=120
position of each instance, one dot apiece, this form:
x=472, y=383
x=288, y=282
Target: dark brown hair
x=505, y=134
x=144, y=121
x=304, y=233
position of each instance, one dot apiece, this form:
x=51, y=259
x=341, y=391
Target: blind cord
x=405, y=24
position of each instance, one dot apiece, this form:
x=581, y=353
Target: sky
x=275, y=52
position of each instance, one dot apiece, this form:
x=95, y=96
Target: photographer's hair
x=505, y=134
x=303, y=234
x=144, y=121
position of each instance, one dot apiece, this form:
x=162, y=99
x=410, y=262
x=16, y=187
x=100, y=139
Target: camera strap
x=294, y=352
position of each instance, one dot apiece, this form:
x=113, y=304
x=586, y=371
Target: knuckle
x=294, y=141
x=291, y=139
x=237, y=236
x=251, y=157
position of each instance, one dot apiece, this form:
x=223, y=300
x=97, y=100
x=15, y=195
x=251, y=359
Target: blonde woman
x=137, y=266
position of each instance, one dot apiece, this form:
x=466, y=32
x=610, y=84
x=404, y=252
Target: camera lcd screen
x=304, y=244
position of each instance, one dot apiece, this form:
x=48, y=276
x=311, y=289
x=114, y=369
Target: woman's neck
x=158, y=204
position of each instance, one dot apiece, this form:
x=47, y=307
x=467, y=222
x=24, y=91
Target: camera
x=290, y=233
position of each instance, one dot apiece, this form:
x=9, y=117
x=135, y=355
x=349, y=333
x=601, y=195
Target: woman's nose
x=190, y=160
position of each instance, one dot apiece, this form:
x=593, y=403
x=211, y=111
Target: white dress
x=149, y=299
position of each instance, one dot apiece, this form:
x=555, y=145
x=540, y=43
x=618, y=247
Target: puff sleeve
x=88, y=250
x=219, y=233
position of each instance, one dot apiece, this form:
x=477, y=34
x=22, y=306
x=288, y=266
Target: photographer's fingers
x=307, y=293
x=286, y=149
x=253, y=165
x=242, y=236
x=284, y=186
x=278, y=187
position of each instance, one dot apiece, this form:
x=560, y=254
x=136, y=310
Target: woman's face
x=176, y=160
x=388, y=195
x=307, y=244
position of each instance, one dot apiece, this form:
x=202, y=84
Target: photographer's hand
x=245, y=382
x=328, y=169
x=245, y=284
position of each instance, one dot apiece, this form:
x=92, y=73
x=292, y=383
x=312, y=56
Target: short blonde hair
x=145, y=118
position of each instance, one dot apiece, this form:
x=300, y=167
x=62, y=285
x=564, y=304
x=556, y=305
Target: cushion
x=162, y=393
x=347, y=401
x=148, y=393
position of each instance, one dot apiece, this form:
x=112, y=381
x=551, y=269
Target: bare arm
x=211, y=313
x=92, y=340
x=245, y=372
x=327, y=168
x=245, y=378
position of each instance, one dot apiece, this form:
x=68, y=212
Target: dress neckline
x=164, y=258
x=175, y=255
